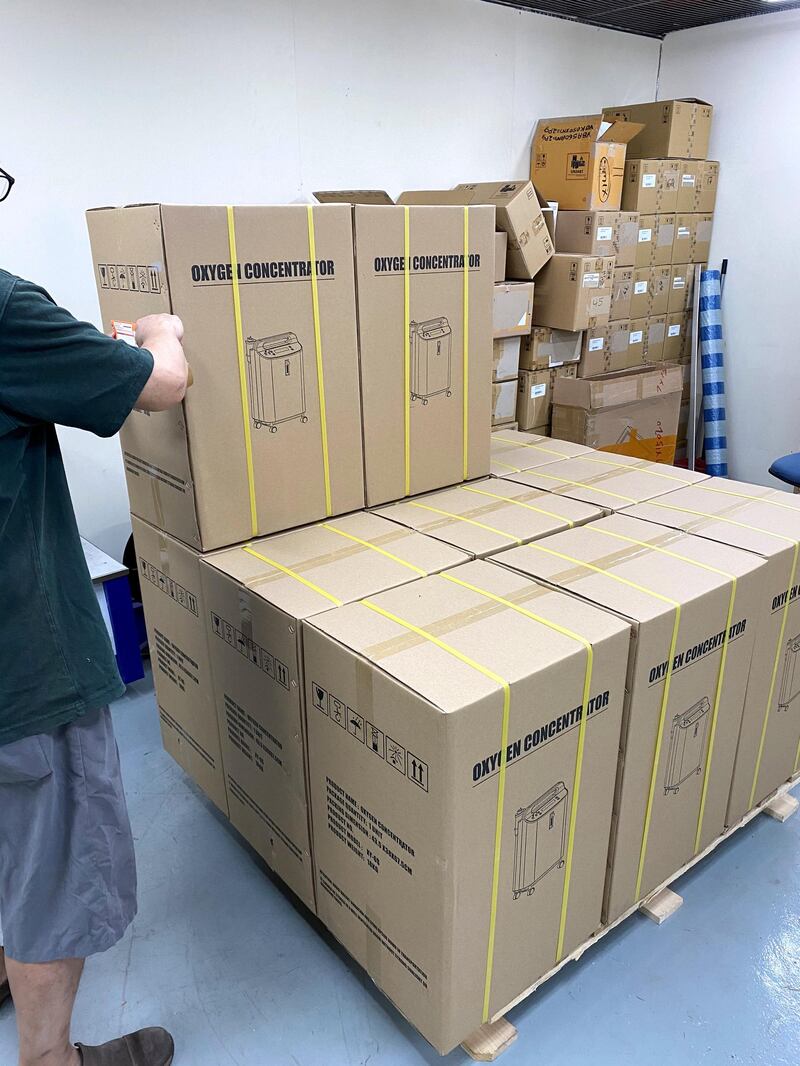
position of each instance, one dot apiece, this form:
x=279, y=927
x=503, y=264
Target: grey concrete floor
x=242, y=975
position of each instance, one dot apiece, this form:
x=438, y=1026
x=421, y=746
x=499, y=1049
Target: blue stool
x=787, y=468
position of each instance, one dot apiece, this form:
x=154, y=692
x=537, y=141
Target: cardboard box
x=586, y=232
x=580, y=161
x=513, y=308
x=505, y=358
x=766, y=522
x=573, y=292
x=177, y=633
x=675, y=335
x=534, y=398
x=500, y=250
x=406, y=836
x=417, y=435
x=605, y=348
x=645, y=241
x=640, y=293
x=545, y=348
x=701, y=245
x=518, y=212
x=654, y=337
x=656, y=238
x=187, y=469
x=650, y=186
x=706, y=189
x=687, y=605
x=485, y=517
x=688, y=180
x=504, y=401
x=683, y=241
x=626, y=237
x=671, y=128
x=255, y=597
x=513, y=452
x=634, y=412
x=659, y=285
x=681, y=287
x=621, y=293
x=636, y=341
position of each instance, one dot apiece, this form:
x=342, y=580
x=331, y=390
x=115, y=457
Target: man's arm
x=161, y=335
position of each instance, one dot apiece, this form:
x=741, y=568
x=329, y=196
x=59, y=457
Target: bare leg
x=44, y=994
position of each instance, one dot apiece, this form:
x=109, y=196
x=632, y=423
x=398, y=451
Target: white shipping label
x=674, y=331
x=636, y=336
x=595, y=344
x=679, y=283
x=591, y=281
x=687, y=179
x=537, y=391
x=125, y=331
x=605, y=233
x=639, y=287
x=645, y=235
x=684, y=232
x=648, y=181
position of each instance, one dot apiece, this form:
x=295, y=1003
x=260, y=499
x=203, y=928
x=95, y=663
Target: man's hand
x=161, y=335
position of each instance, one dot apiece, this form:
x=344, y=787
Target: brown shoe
x=148, y=1047
x=5, y=992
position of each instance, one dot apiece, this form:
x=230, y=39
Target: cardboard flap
x=354, y=196
x=576, y=129
x=613, y=390
x=620, y=132
x=433, y=197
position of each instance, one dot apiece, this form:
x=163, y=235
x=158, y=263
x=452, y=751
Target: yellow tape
x=538, y=447
x=323, y=415
x=587, y=688
x=628, y=466
x=508, y=466
x=237, y=316
x=501, y=780
x=461, y=518
x=583, y=485
x=723, y=658
x=664, y=698
x=519, y=503
x=407, y=352
x=779, y=649
x=466, y=346
x=751, y=499
x=375, y=548
x=293, y=573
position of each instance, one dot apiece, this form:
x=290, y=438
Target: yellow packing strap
x=779, y=649
x=465, y=409
x=587, y=689
x=583, y=485
x=237, y=316
x=628, y=466
x=501, y=782
x=667, y=682
x=407, y=352
x=323, y=413
x=375, y=548
x=722, y=663
x=292, y=573
x=537, y=447
x=508, y=466
x=461, y=518
x=519, y=503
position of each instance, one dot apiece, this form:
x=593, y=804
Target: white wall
x=265, y=101
x=750, y=71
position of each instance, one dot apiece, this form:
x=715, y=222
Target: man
x=67, y=870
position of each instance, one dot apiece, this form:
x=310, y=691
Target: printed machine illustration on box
x=790, y=683
x=430, y=343
x=687, y=744
x=276, y=380
x=540, y=838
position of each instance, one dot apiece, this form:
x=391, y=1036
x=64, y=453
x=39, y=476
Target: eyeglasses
x=6, y=181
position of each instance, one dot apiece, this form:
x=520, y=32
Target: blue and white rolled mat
x=712, y=357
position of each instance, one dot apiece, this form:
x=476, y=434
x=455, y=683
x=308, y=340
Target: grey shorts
x=67, y=868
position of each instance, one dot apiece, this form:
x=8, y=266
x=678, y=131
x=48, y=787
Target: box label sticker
x=591, y=281
x=537, y=391
x=124, y=331
x=648, y=181
x=645, y=235
x=596, y=344
x=639, y=287
x=678, y=283
x=636, y=336
x=687, y=180
x=674, y=331
x=684, y=231
x=605, y=233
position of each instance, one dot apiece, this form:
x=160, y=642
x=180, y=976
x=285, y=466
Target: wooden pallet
x=492, y=1039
